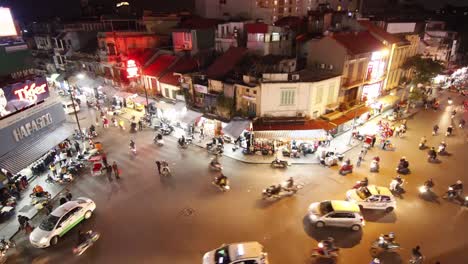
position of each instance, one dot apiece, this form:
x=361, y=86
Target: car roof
x=245, y=250
x=64, y=208
x=344, y=206
x=379, y=190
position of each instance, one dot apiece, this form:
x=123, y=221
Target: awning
x=190, y=117
x=235, y=128
x=308, y=135
x=24, y=155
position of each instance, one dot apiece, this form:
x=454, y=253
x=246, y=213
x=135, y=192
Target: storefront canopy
x=307, y=135
x=236, y=127
x=24, y=155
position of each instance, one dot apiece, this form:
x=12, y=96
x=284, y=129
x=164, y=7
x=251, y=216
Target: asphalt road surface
x=145, y=219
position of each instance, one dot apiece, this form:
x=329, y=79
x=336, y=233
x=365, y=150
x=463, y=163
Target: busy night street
x=144, y=218
x=233, y=132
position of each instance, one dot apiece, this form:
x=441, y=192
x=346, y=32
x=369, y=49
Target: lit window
x=276, y=2
x=275, y=36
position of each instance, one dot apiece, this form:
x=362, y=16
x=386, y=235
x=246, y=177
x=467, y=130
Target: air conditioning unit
x=295, y=77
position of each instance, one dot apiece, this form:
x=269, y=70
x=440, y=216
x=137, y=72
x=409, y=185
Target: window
x=254, y=92
x=247, y=90
x=319, y=95
x=288, y=96
x=331, y=92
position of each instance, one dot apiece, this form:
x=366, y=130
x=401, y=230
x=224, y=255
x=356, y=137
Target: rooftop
x=390, y=38
x=358, y=42
x=157, y=67
x=316, y=75
x=199, y=23
x=226, y=62
x=182, y=65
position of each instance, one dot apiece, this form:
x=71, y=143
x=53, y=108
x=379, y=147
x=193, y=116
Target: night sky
x=29, y=10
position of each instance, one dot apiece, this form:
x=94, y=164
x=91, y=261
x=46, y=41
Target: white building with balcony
x=264, y=39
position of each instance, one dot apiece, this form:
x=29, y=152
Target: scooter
x=422, y=146
x=93, y=237
x=216, y=166
x=380, y=246
x=277, y=163
x=224, y=187
x=320, y=252
x=374, y=166
x=403, y=170
x=346, y=169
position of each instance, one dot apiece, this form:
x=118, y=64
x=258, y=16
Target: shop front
x=370, y=95
x=28, y=135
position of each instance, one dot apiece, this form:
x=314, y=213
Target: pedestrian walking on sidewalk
x=116, y=170
x=77, y=147
x=374, y=139
x=53, y=169
x=158, y=164
x=358, y=163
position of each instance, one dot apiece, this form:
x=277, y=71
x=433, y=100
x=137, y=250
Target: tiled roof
x=292, y=22
x=390, y=38
x=183, y=65
x=226, y=62
x=160, y=64
x=358, y=42
x=256, y=28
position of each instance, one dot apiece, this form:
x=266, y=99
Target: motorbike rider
x=449, y=130
x=82, y=237
x=182, y=141
x=429, y=184
x=435, y=129
x=387, y=240
x=423, y=141
x=457, y=188
x=159, y=136
x=396, y=184
x=442, y=147
x=433, y=153
x=328, y=246
x=92, y=129
x=274, y=189
x=221, y=180
x=132, y=144
x=38, y=191
x=416, y=253
x=215, y=161
x=290, y=183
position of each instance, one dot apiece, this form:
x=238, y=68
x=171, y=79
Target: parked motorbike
x=5, y=245
x=277, y=163
x=92, y=238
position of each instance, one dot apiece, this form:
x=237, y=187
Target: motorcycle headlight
x=466, y=198
x=320, y=245
x=422, y=189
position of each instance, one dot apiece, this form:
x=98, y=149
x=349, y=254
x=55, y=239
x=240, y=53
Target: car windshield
x=49, y=223
x=363, y=193
x=222, y=256
x=325, y=207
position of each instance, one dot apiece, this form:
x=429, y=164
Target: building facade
x=263, y=39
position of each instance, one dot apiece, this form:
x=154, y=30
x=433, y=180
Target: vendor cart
x=97, y=165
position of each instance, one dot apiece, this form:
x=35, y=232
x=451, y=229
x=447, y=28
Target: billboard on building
x=7, y=25
x=15, y=97
x=396, y=28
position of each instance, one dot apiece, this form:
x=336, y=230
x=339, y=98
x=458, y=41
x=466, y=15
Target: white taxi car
x=60, y=221
x=336, y=213
x=372, y=197
x=237, y=253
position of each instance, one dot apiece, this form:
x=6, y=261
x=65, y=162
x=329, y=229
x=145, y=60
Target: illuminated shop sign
x=132, y=69
x=15, y=97
x=376, y=66
x=31, y=127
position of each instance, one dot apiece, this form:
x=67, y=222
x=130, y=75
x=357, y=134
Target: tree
x=424, y=69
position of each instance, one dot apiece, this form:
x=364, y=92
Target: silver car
x=336, y=213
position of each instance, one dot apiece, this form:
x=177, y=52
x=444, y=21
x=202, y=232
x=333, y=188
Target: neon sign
x=132, y=69
x=30, y=92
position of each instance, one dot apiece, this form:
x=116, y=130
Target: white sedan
x=372, y=197
x=60, y=221
x=237, y=253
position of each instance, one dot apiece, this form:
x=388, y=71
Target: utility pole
x=74, y=108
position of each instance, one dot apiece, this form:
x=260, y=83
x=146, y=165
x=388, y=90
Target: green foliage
x=424, y=69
